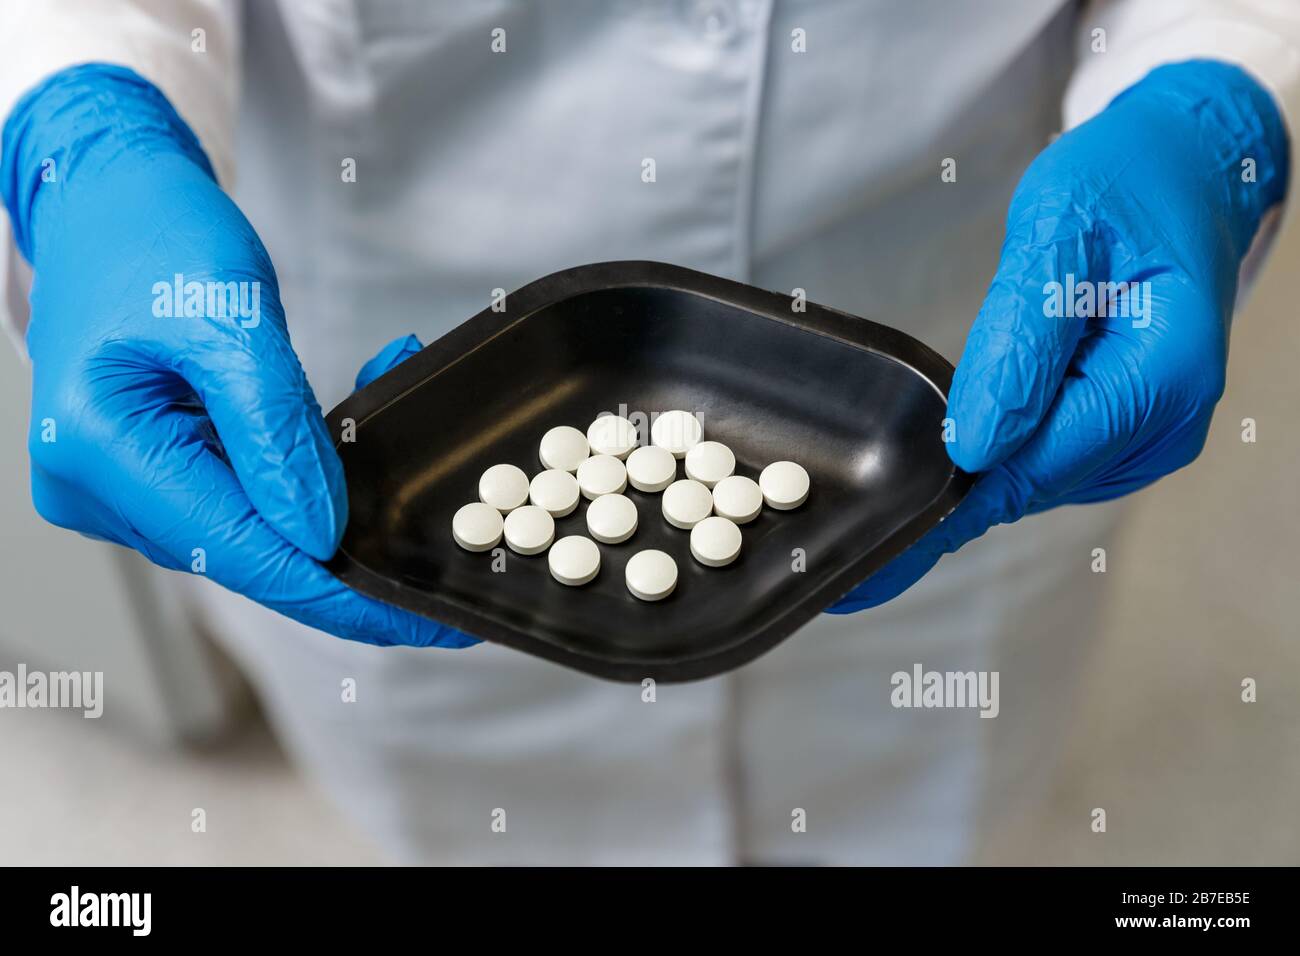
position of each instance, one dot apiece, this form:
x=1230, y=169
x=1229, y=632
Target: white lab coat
x=478, y=170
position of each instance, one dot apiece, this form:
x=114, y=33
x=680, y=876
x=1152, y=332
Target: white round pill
x=574, y=560
x=737, y=498
x=504, y=487
x=529, y=530
x=611, y=519
x=651, y=468
x=676, y=431
x=784, y=484
x=563, y=447
x=686, y=503
x=477, y=527
x=554, y=490
x=612, y=435
x=709, y=462
x=651, y=575
x=715, y=541
x=602, y=475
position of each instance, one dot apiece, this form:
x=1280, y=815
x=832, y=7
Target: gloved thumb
x=272, y=430
x=1020, y=344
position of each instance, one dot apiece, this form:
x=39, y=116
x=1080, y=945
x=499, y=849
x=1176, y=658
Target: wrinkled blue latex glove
x=1054, y=409
x=390, y=356
x=193, y=438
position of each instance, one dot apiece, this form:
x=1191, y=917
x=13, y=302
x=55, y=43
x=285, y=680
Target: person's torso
x=794, y=144
x=783, y=143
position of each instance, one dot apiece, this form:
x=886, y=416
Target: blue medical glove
x=1059, y=400
x=389, y=357
x=169, y=411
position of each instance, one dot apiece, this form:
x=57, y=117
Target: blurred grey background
x=1188, y=774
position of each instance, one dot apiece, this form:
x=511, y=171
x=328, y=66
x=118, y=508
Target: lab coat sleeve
x=1260, y=36
x=159, y=39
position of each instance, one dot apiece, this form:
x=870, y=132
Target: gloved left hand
x=169, y=411
x=1059, y=399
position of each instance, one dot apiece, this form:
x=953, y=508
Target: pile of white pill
x=711, y=502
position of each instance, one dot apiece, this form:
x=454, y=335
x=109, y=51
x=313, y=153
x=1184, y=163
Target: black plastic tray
x=859, y=405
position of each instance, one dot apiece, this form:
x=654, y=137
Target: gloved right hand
x=169, y=411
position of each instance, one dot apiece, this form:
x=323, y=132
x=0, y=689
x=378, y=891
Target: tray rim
x=466, y=338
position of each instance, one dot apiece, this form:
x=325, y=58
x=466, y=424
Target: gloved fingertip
x=455, y=640
x=415, y=631
x=973, y=457
x=389, y=357
x=873, y=592
x=891, y=580
x=317, y=537
x=980, y=432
